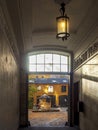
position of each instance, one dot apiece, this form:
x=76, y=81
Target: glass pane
x=48, y=58
x=32, y=68
x=56, y=68
x=48, y=63
x=40, y=58
x=56, y=58
x=40, y=68
x=64, y=60
x=64, y=68
x=48, y=68
x=32, y=59
x=61, y=25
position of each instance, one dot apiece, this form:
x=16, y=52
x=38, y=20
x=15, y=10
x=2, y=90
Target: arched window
x=49, y=63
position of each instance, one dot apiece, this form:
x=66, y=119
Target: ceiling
x=34, y=23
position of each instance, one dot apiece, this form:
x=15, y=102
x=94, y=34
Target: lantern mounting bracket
x=62, y=9
x=62, y=1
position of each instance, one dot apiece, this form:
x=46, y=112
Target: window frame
x=52, y=63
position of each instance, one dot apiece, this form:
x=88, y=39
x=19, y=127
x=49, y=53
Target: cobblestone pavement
x=48, y=119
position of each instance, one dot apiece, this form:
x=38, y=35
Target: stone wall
x=88, y=94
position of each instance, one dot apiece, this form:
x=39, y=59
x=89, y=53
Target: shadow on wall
x=89, y=117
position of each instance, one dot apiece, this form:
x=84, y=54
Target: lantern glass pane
x=62, y=26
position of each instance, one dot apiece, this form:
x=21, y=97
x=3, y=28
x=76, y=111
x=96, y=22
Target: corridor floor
x=49, y=128
x=48, y=119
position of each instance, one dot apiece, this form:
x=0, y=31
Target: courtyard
x=48, y=119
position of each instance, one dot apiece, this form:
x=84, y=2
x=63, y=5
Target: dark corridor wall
x=9, y=83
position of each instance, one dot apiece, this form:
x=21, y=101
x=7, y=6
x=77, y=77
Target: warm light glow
x=39, y=88
x=63, y=24
x=62, y=27
x=91, y=67
x=57, y=98
x=45, y=90
x=50, y=89
x=88, y=87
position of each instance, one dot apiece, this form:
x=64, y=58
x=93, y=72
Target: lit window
x=32, y=68
x=32, y=59
x=64, y=68
x=40, y=58
x=48, y=67
x=56, y=68
x=39, y=88
x=56, y=58
x=50, y=89
x=64, y=60
x=48, y=58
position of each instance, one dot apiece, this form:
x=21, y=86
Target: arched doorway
x=67, y=71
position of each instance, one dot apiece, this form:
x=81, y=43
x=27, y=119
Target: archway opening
x=48, y=88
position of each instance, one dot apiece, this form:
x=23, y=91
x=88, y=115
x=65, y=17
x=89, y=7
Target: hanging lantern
x=63, y=24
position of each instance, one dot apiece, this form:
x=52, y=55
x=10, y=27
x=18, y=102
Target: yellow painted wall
x=44, y=90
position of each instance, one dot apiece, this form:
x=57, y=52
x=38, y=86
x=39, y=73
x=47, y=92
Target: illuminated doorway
x=49, y=73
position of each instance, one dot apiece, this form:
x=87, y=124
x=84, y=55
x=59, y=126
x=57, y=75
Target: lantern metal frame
x=66, y=21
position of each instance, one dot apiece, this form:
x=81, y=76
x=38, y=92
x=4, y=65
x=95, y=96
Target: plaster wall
x=56, y=91
x=9, y=79
x=9, y=86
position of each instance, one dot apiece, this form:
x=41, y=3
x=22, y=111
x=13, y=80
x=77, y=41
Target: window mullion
x=44, y=62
